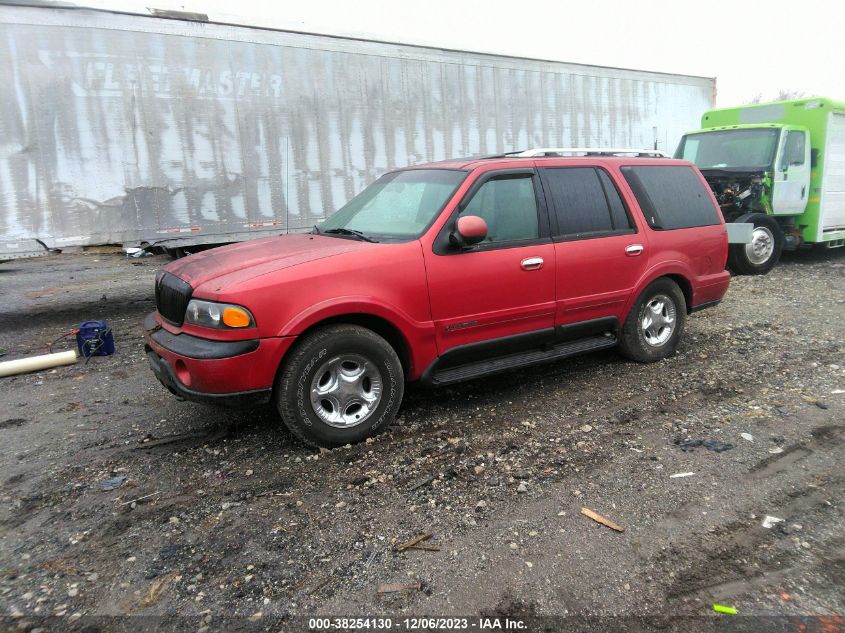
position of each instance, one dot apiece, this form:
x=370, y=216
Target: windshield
x=744, y=150
x=399, y=205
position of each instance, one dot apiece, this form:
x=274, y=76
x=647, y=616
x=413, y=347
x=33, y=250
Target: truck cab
x=764, y=163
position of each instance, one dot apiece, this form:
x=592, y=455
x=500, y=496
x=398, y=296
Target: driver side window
x=508, y=205
x=793, y=149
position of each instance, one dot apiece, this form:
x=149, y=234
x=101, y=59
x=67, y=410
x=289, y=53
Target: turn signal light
x=236, y=317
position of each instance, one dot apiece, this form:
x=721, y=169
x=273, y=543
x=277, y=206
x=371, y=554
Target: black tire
x=745, y=259
x=634, y=343
x=331, y=351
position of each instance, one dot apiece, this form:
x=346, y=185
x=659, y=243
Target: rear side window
x=671, y=197
x=586, y=201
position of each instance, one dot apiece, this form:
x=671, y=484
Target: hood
x=259, y=257
x=733, y=174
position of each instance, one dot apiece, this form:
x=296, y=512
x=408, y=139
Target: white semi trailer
x=141, y=130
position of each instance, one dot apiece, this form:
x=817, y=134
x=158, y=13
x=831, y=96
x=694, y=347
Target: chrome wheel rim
x=346, y=390
x=658, y=320
x=761, y=246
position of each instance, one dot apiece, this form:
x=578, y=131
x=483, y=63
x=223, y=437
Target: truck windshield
x=399, y=205
x=740, y=150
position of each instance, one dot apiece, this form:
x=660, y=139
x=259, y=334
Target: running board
x=521, y=359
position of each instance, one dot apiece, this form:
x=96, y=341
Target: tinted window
x=671, y=197
x=585, y=201
x=509, y=207
x=618, y=215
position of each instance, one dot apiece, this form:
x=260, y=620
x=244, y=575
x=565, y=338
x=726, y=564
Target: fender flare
x=672, y=268
x=418, y=337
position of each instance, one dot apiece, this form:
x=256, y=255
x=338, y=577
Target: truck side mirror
x=469, y=230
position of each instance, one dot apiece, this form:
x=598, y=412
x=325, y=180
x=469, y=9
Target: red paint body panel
x=247, y=372
x=436, y=302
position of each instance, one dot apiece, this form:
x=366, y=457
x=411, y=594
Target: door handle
x=633, y=250
x=532, y=263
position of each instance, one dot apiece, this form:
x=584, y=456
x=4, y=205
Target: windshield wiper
x=342, y=231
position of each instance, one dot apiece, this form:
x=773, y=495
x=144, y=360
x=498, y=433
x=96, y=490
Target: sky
x=752, y=48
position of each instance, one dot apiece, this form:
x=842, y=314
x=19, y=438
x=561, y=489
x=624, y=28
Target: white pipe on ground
x=35, y=363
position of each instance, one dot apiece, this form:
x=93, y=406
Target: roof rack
x=539, y=152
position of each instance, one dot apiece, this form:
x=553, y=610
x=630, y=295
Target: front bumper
x=228, y=373
x=239, y=399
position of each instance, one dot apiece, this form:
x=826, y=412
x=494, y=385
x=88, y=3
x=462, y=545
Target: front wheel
x=761, y=254
x=655, y=324
x=340, y=385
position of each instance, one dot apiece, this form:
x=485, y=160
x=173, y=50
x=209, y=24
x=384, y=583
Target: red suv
x=442, y=273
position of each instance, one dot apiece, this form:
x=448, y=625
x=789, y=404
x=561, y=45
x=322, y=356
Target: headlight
x=220, y=315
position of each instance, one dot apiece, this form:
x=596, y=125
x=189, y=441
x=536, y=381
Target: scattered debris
x=785, y=596
x=586, y=428
x=424, y=547
x=414, y=541
x=770, y=521
x=522, y=488
x=422, y=482
x=112, y=484
x=600, y=519
x=157, y=587
x=676, y=475
x=723, y=608
x=711, y=445
x=747, y=436
x=821, y=405
x=396, y=587
x=152, y=494
x=776, y=450
x=837, y=391
x=327, y=580
x=172, y=439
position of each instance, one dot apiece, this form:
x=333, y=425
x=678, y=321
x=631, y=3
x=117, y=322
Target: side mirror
x=470, y=230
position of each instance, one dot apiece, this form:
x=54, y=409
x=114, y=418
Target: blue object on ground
x=95, y=339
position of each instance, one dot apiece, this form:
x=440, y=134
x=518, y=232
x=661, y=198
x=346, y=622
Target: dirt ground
x=223, y=517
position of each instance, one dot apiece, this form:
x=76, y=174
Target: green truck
x=777, y=170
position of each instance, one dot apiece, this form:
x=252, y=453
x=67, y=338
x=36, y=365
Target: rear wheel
x=340, y=384
x=761, y=254
x=655, y=324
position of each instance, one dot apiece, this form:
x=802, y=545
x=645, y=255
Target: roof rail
x=539, y=152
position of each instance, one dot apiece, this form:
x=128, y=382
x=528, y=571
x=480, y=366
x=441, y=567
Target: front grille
x=172, y=297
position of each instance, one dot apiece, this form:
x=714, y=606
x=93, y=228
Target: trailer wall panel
x=132, y=129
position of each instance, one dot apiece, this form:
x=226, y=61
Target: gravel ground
x=223, y=517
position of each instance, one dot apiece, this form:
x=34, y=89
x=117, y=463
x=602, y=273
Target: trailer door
x=792, y=172
x=833, y=178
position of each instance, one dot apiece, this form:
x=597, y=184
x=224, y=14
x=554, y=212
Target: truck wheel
x=655, y=323
x=339, y=385
x=760, y=255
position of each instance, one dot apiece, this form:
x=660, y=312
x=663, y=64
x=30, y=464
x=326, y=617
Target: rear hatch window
x=671, y=196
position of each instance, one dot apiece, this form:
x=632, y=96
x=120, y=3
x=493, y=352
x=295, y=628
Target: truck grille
x=172, y=297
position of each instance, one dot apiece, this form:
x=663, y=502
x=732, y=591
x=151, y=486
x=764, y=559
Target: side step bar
x=521, y=359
